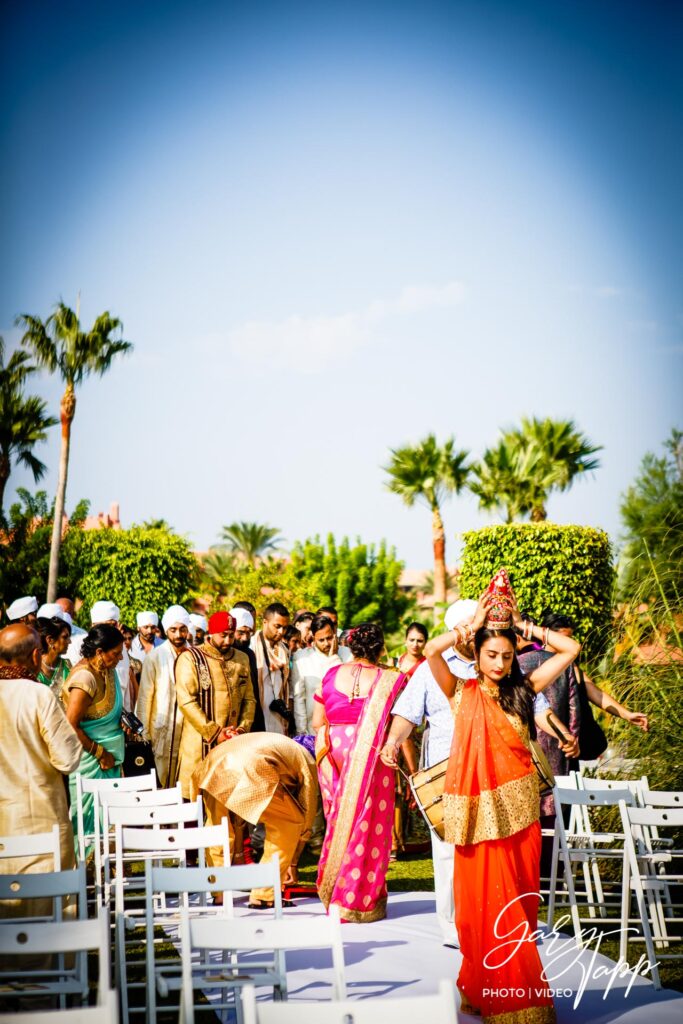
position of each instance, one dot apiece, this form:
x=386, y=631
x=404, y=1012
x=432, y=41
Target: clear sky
x=332, y=228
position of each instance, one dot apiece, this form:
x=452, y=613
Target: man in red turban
x=214, y=694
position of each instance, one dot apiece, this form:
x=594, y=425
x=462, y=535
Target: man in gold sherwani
x=262, y=777
x=37, y=750
x=214, y=694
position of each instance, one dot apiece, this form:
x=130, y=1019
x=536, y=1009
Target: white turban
x=459, y=612
x=21, y=607
x=199, y=622
x=242, y=618
x=104, y=611
x=55, y=611
x=147, y=619
x=175, y=616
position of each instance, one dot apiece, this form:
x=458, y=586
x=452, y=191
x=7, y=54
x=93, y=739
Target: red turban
x=221, y=622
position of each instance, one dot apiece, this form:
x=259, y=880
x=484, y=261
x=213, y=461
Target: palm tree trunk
x=67, y=410
x=4, y=477
x=439, y=545
x=538, y=514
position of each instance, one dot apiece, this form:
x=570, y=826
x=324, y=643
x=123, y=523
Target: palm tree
x=427, y=473
x=251, y=541
x=61, y=346
x=530, y=462
x=23, y=419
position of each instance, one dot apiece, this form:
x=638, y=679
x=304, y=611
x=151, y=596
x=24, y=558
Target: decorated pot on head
x=499, y=614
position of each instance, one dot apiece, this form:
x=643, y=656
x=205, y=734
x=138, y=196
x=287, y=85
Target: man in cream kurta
x=272, y=661
x=39, y=747
x=157, y=707
x=261, y=777
x=214, y=694
x=310, y=665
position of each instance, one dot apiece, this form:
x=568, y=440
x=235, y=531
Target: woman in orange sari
x=492, y=807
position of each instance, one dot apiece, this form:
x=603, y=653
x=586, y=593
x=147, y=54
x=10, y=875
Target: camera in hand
x=131, y=722
x=279, y=707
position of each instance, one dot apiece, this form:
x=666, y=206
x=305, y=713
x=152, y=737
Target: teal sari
x=103, y=728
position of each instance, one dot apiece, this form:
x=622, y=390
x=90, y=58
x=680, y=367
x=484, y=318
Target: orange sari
x=491, y=807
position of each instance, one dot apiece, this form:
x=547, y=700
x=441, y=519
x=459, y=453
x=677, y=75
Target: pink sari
x=358, y=798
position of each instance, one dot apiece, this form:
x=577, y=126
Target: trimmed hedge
x=567, y=569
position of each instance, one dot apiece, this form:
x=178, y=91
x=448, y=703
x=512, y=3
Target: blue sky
x=330, y=229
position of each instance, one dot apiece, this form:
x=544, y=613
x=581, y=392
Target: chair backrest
x=234, y=878
x=140, y=797
x=247, y=933
x=53, y=885
x=18, y=938
x=658, y=817
x=96, y=787
x=125, y=784
x=42, y=843
x=169, y=814
x=662, y=798
x=594, y=798
x=435, y=1009
x=167, y=841
x=106, y=1012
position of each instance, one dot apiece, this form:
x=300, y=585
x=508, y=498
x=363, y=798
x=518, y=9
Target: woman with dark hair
x=55, y=635
x=351, y=717
x=416, y=638
x=92, y=697
x=491, y=807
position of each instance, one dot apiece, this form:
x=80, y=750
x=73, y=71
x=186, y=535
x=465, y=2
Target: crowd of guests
x=294, y=730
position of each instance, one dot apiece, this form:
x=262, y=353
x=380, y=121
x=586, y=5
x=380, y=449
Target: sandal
x=267, y=904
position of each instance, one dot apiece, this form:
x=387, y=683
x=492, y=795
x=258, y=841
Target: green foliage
x=651, y=561
x=360, y=581
x=251, y=541
x=427, y=471
x=566, y=569
x=25, y=547
x=62, y=347
x=530, y=462
x=137, y=569
x=23, y=419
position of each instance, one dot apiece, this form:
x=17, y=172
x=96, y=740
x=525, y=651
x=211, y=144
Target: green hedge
x=138, y=569
x=567, y=569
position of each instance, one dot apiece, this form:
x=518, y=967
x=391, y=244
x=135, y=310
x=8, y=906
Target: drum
x=546, y=778
x=427, y=786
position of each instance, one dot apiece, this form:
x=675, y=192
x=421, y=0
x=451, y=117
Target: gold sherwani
x=262, y=777
x=38, y=748
x=210, y=701
x=156, y=707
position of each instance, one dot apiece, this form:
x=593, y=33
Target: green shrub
x=566, y=569
x=137, y=569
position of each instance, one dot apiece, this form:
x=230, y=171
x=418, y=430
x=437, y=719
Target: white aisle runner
x=403, y=955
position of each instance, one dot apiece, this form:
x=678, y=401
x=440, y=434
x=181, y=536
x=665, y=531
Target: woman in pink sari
x=351, y=717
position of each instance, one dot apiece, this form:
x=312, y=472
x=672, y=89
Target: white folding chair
x=106, y=1012
x=51, y=889
x=41, y=844
x=94, y=787
x=436, y=1009
x=180, y=883
x=249, y=934
x=155, y=844
x=28, y=938
x=147, y=807
x=586, y=847
x=645, y=876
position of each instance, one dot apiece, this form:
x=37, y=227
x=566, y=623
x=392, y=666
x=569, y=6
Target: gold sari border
x=378, y=913
x=363, y=748
x=494, y=814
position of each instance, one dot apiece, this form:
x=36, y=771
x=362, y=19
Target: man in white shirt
x=310, y=665
x=147, y=639
x=157, y=707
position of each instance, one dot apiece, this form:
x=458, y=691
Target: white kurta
x=156, y=703
x=308, y=668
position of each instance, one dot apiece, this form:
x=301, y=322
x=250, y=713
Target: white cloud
x=316, y=341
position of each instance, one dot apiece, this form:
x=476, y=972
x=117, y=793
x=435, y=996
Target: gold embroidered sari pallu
x=491, y=809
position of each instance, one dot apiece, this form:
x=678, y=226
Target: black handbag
x=138, y=758
x=592, y=740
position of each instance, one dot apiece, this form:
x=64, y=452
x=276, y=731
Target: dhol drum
x=546, y=779
x=427, y=786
